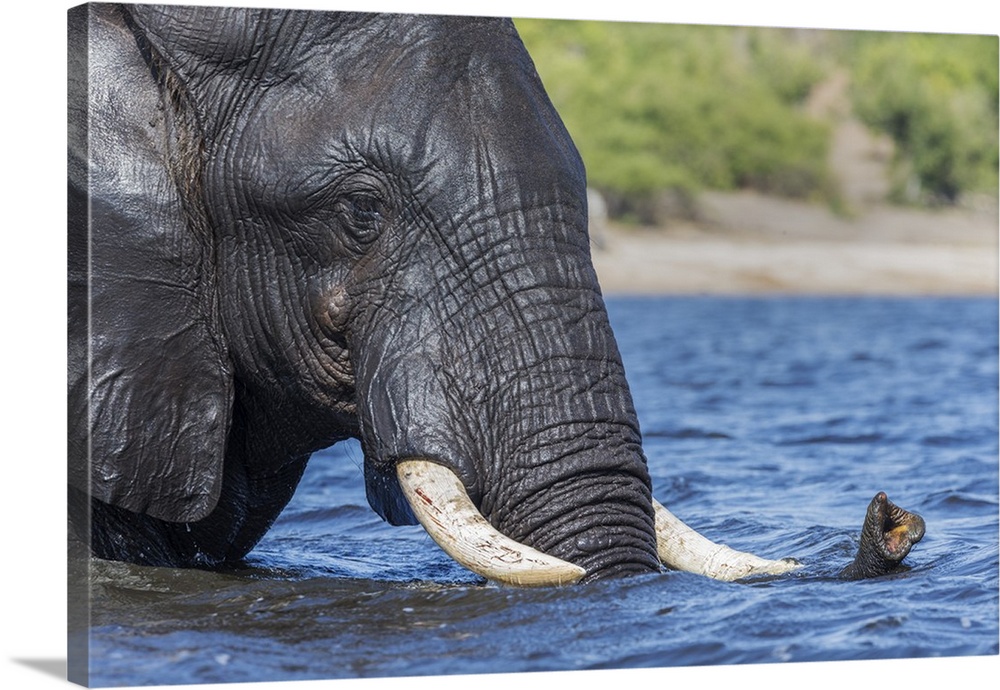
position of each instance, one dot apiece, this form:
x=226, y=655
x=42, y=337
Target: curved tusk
x=682, y=548
x=443, y=507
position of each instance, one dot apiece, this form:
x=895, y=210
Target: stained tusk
x=443, y=507
x=682, y=548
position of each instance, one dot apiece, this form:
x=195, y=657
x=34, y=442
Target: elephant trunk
x=887, y=535
x=574, y=528
x=536, y=426
x=578, y=527
x=580, y=493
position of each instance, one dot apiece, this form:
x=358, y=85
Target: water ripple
x=778, y=421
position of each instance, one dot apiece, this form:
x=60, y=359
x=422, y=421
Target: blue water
x=768, y=423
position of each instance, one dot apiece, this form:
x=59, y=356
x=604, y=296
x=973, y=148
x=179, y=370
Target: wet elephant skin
x=305, y=227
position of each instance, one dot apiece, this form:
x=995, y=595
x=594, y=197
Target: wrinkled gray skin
x=314, y=226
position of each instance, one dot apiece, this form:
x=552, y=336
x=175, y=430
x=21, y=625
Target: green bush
x=660, y=108
x=936, y=96
x=680, y=108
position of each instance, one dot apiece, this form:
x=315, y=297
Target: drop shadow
x=50, y=667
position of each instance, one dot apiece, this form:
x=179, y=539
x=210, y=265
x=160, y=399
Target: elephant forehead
x=429, y=110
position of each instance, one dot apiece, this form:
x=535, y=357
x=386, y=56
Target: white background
x=33, y=335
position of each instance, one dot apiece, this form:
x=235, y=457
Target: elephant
x=291, y=228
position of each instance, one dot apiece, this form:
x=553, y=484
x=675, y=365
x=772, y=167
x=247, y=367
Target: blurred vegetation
x=660, y=112
x=936, y=96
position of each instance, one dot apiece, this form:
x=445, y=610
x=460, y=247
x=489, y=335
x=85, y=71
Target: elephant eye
x=366, y=209
x=365, y=214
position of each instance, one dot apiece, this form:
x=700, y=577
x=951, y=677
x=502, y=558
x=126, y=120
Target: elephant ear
x=202, y=38
x=213, y=49
x=158, y=392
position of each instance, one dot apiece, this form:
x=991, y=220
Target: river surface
x=768, y=423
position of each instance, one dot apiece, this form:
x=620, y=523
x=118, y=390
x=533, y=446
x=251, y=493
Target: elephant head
x=291, y=228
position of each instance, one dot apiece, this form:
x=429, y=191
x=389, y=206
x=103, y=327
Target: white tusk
x=443, y=507
x=682, y=548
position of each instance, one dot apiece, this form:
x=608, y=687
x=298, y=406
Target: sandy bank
x=745, y=243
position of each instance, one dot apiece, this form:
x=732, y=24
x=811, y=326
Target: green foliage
x=936, y=96
x=659, y=108
x=666, y=107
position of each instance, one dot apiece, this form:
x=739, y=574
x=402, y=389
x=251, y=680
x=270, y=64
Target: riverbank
x=750, y=244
